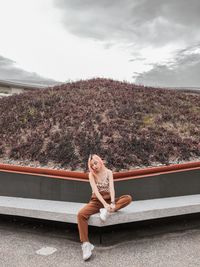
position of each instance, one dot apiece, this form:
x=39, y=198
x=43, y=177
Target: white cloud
x=83, y=39
x=183, y=70
x=35, y=39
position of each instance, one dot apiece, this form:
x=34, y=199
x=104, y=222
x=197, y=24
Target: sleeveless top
x=104, y=185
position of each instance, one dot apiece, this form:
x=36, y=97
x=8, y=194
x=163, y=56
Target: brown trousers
x=93, y=207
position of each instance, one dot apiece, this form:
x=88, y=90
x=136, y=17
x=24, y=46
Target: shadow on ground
x=105, y=236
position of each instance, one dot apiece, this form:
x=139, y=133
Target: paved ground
x=169, y=243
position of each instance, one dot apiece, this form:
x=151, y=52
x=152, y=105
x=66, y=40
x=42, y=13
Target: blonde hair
x=96, y=157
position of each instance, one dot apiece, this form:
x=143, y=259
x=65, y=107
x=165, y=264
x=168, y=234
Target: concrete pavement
x=163, y=243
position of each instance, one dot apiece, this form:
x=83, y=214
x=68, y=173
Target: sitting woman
x=102, y=200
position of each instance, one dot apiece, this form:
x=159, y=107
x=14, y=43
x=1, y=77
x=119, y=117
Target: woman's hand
x=107, y=206
x=112, y=207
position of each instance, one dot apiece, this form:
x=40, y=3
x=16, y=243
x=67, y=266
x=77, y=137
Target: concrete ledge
x=67, y=211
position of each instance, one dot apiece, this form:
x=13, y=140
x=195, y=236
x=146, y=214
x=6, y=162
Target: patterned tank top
x=104, y=185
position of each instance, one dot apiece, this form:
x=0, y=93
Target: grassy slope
x=126, y=125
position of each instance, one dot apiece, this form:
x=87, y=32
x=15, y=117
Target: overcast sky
x=151, y=42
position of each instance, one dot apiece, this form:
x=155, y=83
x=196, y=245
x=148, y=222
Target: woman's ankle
x=85, y=242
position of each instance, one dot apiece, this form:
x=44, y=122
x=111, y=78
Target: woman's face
x=95, y=165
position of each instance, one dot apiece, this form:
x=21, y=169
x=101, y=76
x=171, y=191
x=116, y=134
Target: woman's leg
x=123, y=201
x=83, y=215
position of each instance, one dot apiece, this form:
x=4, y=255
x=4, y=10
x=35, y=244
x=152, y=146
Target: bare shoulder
x=90, y=175
x=110, y=172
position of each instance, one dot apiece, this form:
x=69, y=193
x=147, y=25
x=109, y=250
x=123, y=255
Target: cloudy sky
x=151, y=42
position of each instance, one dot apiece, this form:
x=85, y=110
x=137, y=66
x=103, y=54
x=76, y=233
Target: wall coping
x=83, y=176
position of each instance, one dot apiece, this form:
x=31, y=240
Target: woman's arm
x=96, y=191
x=111, y=186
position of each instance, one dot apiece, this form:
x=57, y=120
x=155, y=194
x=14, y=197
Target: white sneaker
x=104, y=214
x=87, y=248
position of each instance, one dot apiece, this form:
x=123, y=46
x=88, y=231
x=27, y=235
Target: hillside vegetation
x=129, y=126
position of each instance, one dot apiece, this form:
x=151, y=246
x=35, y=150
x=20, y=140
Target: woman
x=102, y=200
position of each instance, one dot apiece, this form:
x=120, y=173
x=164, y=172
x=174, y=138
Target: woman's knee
x=81, y=215
x=129, y=198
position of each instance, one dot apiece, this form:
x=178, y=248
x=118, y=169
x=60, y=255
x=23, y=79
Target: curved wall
x=148, y=183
